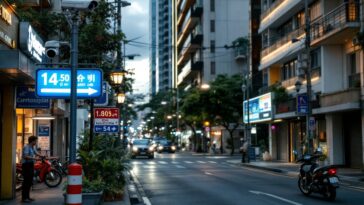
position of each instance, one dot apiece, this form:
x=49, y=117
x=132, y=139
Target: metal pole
x=74, y=65
x=177, y=122
x=91, y=125
x=308, y=76
x=118, y=53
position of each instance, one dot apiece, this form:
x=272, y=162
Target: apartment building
x=336, y=75
x=161, y=51
x=205, y=28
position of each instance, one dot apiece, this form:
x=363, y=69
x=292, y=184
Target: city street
x=186, y=178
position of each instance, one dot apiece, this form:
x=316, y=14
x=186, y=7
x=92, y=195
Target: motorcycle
x=43, y=172
x=59, y=166
x=313, y=178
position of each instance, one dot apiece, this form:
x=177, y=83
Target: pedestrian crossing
x=176, y=164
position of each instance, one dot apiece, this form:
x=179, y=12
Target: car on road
x=166, y=146
x=142, y=147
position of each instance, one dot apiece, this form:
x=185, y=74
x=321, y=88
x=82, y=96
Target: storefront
x=17, y=68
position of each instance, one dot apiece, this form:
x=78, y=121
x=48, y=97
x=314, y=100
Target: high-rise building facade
x=161, y=49
x=205, y=31
x=336, y=71
x=153, y=48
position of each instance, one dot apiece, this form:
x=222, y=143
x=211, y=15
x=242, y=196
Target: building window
x=212, y=25
x=315, y=59
x=212, y=46
x=212, y=5
x=213, y=68
x=289, y=70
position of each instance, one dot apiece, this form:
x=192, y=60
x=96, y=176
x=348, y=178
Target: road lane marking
x=274, y=196
x=212, y=162
x=151, y=163
x=175, y=162
x=137, y=162
x=181, y=167
x=208, y=173
x=146, y=201
x=188, y=162
x=162, y=162
x=202, y=162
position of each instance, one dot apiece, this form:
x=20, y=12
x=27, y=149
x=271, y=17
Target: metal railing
x=283, y=40
x=338, y=18
x=270, y=9
x=286, y=106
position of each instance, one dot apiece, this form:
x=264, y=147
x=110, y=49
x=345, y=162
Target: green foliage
x=280, y=94
x=106, y=163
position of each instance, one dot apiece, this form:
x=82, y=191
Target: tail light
x=332, y=171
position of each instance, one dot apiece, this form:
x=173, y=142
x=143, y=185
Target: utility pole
x=73, y=100
x=308, y=76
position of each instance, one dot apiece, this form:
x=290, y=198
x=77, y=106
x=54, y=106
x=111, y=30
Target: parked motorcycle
x=313, y=178
x=43, y=172
x=59, y=166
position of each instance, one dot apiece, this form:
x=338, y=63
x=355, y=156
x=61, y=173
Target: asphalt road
x=187, y=179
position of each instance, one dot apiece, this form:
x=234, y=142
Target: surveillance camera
x=52, y=48
x=80, y=4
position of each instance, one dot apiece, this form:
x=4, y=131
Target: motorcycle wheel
x=330, y=193
x=303, y=188
x=53, y=178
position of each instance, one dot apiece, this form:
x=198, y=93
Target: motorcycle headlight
x=135, y=149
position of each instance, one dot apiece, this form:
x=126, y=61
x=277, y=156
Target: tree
x=161, y=105
x=225, y=105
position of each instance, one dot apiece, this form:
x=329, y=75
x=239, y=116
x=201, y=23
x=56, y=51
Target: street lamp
x=120, y=98
x=116, y=77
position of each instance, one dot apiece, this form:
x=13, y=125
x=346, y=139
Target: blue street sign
x=106, y=128
x=43, y=130
x=56, y=83
x=26, y=98
x=104, y=99
x=302, y=104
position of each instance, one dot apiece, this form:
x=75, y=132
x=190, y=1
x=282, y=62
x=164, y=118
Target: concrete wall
x=335, y=141
x=332, y=68
x=231, y=21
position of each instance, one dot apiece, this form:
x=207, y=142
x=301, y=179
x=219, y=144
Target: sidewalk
x=44, y=195
x=348, y=176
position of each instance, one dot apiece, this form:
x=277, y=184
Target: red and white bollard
x=74, y=188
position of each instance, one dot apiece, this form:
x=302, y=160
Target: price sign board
x=106, y=120
x=56, y=83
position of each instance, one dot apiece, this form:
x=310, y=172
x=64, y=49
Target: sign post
x=106, y=120
x=53, y=83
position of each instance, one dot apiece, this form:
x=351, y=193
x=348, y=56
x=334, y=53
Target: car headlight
x=160, y=147
x=151, y=149
x=135, y=149
x=173, y=147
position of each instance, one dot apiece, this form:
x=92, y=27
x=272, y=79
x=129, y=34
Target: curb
x=137, y=194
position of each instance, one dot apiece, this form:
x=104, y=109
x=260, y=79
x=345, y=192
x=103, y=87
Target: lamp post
x=307, y=68
x=245, y=89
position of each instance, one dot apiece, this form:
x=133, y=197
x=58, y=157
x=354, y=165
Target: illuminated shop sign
x=7, y=39
x=260, y=108
x=5, y=15
x=30, y=42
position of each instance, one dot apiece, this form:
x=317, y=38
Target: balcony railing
x=286, y=106
x=283, y=40
x=338, y=18
x=270, y=9
x=354, y=80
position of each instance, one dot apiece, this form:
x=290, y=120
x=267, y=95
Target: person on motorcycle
x=28, y=159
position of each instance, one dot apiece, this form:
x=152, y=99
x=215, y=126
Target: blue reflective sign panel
x=56, y=83
x=302, y=104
